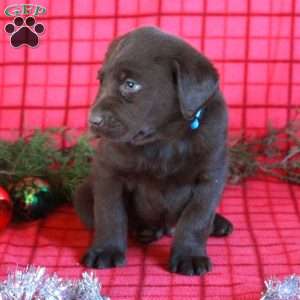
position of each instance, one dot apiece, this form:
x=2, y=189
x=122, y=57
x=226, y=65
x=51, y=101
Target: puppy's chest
x=162, y=183
x=164, y=161
x=155, y=199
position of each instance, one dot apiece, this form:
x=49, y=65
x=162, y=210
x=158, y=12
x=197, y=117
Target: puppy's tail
x=83, y=202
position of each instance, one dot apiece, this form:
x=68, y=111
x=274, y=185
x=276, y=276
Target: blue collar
x=195, y=124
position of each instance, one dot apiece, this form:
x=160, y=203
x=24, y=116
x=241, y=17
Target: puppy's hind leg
x=84, y=203
x=148, y=235
x=221, y=226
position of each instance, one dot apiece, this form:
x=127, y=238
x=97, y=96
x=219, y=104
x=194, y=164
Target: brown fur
x=152, y=172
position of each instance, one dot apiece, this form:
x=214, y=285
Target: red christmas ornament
x=5, y=208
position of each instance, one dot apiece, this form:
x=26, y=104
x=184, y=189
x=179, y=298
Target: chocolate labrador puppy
x=162, y=160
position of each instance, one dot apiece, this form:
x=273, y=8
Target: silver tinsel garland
x=287, y=289
x=34, y=284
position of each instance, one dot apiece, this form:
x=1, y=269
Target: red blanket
x=256, y=48
x=265, y=243
x=254, y=44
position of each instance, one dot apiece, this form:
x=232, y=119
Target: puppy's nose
x=96, y=120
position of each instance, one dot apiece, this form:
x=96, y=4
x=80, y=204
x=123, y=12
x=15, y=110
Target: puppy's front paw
x=190, y=265
x=101, y=259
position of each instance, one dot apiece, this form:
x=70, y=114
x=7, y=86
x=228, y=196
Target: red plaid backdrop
x=256, y=47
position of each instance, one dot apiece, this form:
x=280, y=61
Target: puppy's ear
x=196, y=81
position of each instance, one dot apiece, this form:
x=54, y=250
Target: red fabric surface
x=265, y=243
x=254, y=44
x=256, y=48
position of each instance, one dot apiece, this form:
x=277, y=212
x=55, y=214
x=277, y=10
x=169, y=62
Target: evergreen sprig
x=40, y=155
x=276, y=154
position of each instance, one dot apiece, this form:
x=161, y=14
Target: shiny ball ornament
x=5, y=208
x=32, y=199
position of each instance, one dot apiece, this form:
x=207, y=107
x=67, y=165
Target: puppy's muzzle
x=96, y=121
x=103, y=119
x=104, y=122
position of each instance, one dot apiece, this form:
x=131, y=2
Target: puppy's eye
x=130, y=86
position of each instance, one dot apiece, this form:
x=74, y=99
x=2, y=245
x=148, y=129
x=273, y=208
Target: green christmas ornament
x=32, y=199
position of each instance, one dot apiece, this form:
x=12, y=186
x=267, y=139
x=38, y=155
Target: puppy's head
x=149, y=80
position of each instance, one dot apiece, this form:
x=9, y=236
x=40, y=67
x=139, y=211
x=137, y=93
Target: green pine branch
x=40, y=156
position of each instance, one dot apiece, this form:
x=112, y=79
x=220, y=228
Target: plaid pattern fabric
x=265, y=243
x=255, y=45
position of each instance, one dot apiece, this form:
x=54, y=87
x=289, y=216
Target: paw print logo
x=24, y=33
